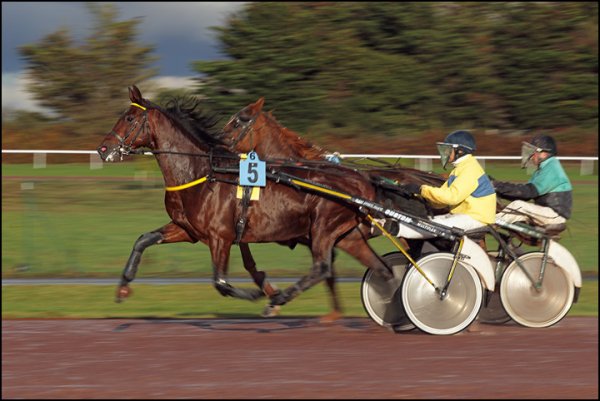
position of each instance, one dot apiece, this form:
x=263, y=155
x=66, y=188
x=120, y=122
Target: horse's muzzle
x=108, y=154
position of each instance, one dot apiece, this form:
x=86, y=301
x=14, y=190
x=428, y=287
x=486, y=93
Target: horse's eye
x=129, y=119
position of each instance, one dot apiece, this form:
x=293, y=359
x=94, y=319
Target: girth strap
x=241, y=223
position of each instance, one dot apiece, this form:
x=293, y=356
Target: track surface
x=287, y=358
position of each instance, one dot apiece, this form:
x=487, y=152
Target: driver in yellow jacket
x=468, y=191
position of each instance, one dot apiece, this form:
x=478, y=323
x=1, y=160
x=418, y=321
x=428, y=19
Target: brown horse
x=253, y=129
x=201, y=200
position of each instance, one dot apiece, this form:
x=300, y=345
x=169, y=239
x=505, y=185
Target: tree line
x=352, y=68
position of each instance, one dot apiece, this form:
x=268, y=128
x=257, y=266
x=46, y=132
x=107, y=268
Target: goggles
x=445, y=151
x=527, y=152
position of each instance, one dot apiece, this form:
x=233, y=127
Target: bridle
x=125, y=149
x=248, y=127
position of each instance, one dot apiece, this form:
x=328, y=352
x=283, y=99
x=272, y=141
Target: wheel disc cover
x=536, y=308
x=423, y=304
x=383, y=300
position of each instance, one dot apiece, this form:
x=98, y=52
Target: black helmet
x=539, y=143
x=462, y=141
x=546, y=143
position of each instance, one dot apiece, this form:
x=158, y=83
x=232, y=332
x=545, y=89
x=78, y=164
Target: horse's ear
x=135, y=95
x=259, y=104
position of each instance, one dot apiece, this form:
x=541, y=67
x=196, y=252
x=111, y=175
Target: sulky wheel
x=382, y=299
x=532, y=307
x=441, y=315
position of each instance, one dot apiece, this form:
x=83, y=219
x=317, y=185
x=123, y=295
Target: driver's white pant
x=462, y=221
x=529, y=212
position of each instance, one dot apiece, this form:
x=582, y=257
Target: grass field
x=192, y=301
x=69, y=221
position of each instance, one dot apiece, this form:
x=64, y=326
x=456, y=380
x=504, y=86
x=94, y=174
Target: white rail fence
x=422, y=162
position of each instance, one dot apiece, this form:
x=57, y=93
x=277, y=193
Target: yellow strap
x=254, y=194
x=320, y=189
x=137, y=105
x=189, y=184
x=399, y=246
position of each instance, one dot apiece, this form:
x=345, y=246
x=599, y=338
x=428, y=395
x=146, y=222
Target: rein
x=125, y=149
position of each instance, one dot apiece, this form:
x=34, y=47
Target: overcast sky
x=178, y=31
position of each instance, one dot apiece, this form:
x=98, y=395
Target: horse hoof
x=331, y=317
x=271, y=311
x=122, y=293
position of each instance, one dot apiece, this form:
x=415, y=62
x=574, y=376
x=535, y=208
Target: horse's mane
x=186, y=111
x=300, y=146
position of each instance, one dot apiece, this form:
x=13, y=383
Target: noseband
x=126, y=149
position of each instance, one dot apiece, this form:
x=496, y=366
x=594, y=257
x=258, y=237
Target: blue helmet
x=461, y=141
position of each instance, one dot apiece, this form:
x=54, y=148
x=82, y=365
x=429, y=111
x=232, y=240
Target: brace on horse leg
x=169, y=233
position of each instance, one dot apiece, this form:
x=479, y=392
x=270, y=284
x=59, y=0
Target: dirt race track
x=294, y=358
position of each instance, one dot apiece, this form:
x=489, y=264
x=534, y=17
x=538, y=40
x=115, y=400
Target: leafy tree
x=85, y=85
x=352, y=68
x=547, y=63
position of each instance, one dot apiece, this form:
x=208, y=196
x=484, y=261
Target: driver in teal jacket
x=549, y=188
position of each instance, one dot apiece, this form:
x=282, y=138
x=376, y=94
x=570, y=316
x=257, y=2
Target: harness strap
x=245, y=202
x=241, y=223
x=189, y=184
x=137, y=105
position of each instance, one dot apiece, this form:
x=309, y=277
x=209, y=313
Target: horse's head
x=235, y=132
x=131, y=130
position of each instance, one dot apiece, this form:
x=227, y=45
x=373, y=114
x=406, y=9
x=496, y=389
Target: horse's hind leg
x=355, y=244
x=322, y=250
x=336, y=308
x=169, y=233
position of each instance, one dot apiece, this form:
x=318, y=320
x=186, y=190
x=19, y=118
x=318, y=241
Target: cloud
x=165, y=24
x=180, y=31
x=15, y=95
x=174, y=82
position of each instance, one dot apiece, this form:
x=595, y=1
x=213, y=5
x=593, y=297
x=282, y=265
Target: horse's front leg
x=169, y=233
x=220, y=250
x=259, y=277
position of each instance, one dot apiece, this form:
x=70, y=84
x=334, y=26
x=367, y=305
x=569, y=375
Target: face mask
x=527, y=151
x=445, y=151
